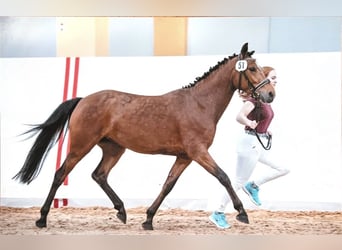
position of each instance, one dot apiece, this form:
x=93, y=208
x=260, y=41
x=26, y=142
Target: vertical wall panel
x=305, y=34
x=27, y=36
x=207, y=36
x=76, y=36
x=131, y=36
x=102, y=36
x=170, y=36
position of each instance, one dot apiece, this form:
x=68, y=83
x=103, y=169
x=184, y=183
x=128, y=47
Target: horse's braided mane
x=206, y=74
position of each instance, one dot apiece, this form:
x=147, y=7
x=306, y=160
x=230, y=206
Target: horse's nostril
x=270, y=94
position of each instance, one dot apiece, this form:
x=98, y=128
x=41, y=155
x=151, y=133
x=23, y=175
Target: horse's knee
x=222, y=177
x=94, y=176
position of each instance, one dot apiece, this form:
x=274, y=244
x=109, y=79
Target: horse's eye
x=253, y=69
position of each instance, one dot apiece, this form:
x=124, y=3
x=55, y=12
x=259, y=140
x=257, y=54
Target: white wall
x=306, y=128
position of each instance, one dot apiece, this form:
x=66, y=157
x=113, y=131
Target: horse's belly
x=149, y=142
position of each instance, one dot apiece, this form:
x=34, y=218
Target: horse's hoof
x=242, y=218
x=122, y=216
x=147, y=226
x=41, y=223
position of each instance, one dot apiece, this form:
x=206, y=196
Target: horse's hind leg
x=176, y=170
x=59, y=178
x=111, y=154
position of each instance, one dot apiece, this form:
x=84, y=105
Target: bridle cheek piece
x=251, y=87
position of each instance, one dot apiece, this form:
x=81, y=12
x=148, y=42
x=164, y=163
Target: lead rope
x=269, y=137
x=269, y=141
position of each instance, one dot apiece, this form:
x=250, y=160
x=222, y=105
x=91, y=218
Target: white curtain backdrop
x=306, y=129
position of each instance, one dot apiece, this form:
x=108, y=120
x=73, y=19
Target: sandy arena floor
x=103, y=221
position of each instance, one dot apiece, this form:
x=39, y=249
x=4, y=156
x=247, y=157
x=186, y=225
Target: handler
x=253, y=147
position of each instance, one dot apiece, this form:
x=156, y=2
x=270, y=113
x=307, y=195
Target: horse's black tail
x=49, y=133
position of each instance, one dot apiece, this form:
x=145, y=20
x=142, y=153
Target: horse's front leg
x=176, y=170
x=206, y=161
x=225, y=181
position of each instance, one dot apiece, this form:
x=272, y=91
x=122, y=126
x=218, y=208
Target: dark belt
x=250, y=132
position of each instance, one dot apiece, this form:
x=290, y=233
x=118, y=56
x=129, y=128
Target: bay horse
x=180, y=123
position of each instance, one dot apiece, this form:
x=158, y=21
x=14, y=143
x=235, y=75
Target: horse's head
x=249, y=77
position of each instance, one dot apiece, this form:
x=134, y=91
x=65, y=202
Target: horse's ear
x=251, y=53
x=244, y=50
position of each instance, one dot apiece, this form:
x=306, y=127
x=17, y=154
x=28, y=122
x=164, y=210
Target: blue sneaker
x=253, y=192
x=219, y=219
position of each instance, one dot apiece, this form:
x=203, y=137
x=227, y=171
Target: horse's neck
x=215, y=92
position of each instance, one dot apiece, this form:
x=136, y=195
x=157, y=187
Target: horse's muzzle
x=267, y=97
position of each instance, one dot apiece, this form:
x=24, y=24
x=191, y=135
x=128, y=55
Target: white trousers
x=249, y=153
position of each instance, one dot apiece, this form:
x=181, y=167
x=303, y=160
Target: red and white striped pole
x=58, y=202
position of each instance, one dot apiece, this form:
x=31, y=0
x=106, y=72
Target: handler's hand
x=253, y=124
